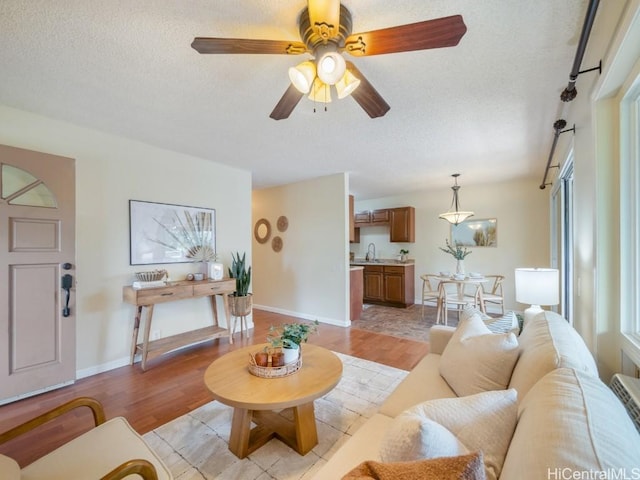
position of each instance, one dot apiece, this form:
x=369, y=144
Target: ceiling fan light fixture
x=320, y=92
x=330, y=64
x=324, y=17
x=347, y=84
x=302, y=76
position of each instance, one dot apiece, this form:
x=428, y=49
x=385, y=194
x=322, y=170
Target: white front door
x=37, y=251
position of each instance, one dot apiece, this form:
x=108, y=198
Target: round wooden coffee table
x=254, y=399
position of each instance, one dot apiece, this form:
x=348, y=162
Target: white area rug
x=195, y=446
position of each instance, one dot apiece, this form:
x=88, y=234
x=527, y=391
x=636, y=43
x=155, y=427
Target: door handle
x=67, y=283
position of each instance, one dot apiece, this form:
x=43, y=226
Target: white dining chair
x=429, y=290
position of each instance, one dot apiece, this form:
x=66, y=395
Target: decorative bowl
x=151, y=276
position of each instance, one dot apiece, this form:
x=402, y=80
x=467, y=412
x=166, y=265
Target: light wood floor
x=173, y=384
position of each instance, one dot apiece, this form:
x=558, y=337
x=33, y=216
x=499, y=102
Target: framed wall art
x=475, y=233
x=165, y=233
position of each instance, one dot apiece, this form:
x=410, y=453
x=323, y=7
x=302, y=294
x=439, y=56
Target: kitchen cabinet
x=391, y=285
x=356, y=286
x=374, y=283
x=352, y=226
x=371, y=218
x=402, y=224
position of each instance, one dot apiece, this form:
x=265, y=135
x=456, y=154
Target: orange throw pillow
x=464, y=467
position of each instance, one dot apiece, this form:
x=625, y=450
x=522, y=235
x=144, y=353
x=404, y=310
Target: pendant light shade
x=302, y=76
x=347, y=84
x=320, y=92
x=455, y=215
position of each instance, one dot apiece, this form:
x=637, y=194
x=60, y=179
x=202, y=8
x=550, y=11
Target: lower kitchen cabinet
x=391, y=285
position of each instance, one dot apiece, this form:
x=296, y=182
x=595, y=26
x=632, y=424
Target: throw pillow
x=506, y=323
x=465, y=467
x=482, y=422
x=476, y=360
x=412, y=436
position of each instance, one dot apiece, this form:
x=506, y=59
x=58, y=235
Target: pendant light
x=454, y=215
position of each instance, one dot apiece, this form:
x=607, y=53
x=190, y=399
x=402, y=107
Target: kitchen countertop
x=381, y=261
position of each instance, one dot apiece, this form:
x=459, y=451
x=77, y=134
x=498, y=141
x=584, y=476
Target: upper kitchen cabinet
x=372, y=218
x=402, y=223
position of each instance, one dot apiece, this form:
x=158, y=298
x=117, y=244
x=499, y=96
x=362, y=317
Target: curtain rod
x=570, y=92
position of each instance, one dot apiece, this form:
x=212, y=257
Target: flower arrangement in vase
x=458, y=252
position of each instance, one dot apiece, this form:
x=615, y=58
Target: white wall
x=522, y=211
x=308, y=278
x=110, y=171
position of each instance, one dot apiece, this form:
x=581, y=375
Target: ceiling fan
x=325, y=30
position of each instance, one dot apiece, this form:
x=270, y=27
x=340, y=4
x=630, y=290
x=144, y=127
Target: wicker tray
x=274, y=372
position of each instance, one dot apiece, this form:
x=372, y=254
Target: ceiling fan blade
x=438, y=33
x=367, y=96
x=287, y=103
x=244, y=45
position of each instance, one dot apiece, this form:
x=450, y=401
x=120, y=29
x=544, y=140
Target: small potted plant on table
x=404, y=254
x=289, y=336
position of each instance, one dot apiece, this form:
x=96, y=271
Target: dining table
x=461, y=283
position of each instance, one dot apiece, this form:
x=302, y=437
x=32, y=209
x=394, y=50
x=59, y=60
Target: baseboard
x=305, y=316
x=105, y=367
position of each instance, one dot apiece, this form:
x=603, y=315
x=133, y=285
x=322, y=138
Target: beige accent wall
x=522, y=211
x=615, y=39
x=308, y=278
x=110, y=171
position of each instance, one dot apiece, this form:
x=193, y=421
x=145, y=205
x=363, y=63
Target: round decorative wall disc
x=283, y=223
x=262, y=230
x=276, y=244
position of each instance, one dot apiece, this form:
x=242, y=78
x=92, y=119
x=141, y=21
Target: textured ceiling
x=484, y=108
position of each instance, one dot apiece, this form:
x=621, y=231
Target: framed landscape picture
x=475, y=233
x=164, y=233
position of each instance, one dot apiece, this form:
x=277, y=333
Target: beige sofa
x=568, y=422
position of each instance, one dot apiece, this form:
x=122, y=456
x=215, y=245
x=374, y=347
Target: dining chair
x=429, y=291
x=450, y=293
x=492, y=292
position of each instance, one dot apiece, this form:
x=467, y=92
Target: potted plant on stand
x=241, y=299
x=458, y=253
x=289, y=336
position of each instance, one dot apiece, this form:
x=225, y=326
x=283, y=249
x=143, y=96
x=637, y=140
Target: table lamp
x=536, y=286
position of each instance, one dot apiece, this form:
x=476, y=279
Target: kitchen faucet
x=370, y=257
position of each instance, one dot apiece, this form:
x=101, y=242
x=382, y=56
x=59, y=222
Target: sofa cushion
x=9, y=468
x=504, y=324
x=481, y=422
x=547, y=342
x=571, y=422
x=466, y=467
x=94, y=454
x=413, y=436
x=423, y=383
x=476, y=360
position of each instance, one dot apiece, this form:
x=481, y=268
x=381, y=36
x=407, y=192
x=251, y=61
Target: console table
x=146, y=298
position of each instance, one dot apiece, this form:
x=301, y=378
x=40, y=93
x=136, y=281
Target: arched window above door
x=19, y=187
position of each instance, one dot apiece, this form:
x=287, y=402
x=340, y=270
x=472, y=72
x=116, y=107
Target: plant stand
x=240, y=307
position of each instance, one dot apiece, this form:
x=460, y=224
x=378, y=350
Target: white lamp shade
x=537, y=286
x=330, y=64
x=302, y=76
x=320, y=92
x=347, y=84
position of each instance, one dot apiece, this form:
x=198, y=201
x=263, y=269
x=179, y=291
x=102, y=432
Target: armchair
x=110, y=451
